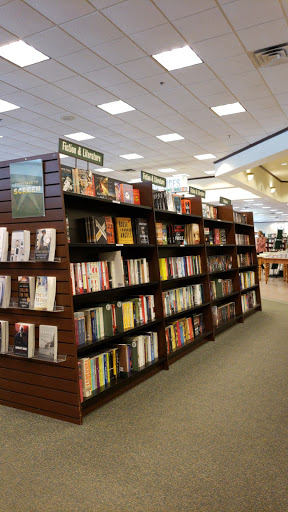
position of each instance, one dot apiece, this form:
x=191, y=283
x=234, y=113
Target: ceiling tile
x=48, y=92
x=107, y=77
x=118, y=51
x=276, y=78
x=222, y=98
x=159, y=39
x=181, y=99
x=76, y=85
x=20, y=19
x=6, y=38
x=183, y=8
x=232, y=66
x=22, y=79
x=126, y=90
x=7, y=67
x=158, y=83
x=262, y=36
x=218, y=48
x=92, y=30
x=54, y=42
x=193, y=74
x=204, y=89
x=22, y=99
x=203, y=26
x=141, y=68
x=102, y=4
x=62, y=11
x=83, y=61
x=260, y=11
x=97, y=96
x=50, y=70
x=151, y=106
x=134, y=16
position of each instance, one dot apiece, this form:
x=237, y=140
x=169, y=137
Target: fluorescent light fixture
x=131, y=156
x=135, y=180
x=170, y=137
x=207, y=156
x=79, y=136
x=104, y=169
x=247, y=200
x=5, y=106
x=209, y=172
x=116, y=107
x=177, y=58
x=63, y=156
x=273, y=210
x=236, y=207
x=168, y=169
x=267, y=207
x=230, y=108
x=284, y=163
x=1, y=136
x=21, y=54
x=272, y=190
x=257, y=204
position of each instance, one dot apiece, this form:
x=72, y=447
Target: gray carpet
x=210, y=435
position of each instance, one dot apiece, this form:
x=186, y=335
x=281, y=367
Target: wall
x=271, y=227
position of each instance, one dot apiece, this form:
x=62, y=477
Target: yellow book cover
x=163, y=269
x=174, y=337
x=107, y=355
x=131, y=315
x=124, y=233
x=86, y=375
x=101, y=371
x=114, y=361
x=178, y=300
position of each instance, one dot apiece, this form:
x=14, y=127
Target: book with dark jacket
x=141, y=229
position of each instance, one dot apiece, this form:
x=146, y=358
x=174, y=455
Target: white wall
x=271, y=227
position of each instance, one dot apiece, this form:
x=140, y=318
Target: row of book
x=222, y=314
x=180, y=299
x=220, y=288
x=183, y=331
x=105, y=320
x=245, y=260
x=242, y=239
x=215, y=236
x=240, y=218
x=40, y=297
x=179, y=266
x=45, y=244
x=209, y=211
x=183, y=234
x=166, y=200
x=82, y=181
x=24, y=340
x=101, y=230
x=111, y=272
x=105, y=367
x=219, y=262
x=248, y=300
x=247, y=279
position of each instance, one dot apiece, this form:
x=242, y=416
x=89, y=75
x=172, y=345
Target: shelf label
x=116, y=202
x=152, y=178
x=224, y=200
x=76, y=151
x=119, y=245
x=197, y=192
x=179, y=213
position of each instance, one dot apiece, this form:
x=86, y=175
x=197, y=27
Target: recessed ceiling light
x=273, y=210
x=21, y=54
x=168, y=169
x=135, y=180
x=267, y=207
x=272, y=190
x=230, y=108
x=257, y=204
x=178, y=58
x=67, y=118
x=5, y=106
x=131, y=156
x=284, y=163
x=116, y=107
x=247, y=200
x=104, y=169
x=209, y=172
x=80, y=136
x=207, y=156
x=63, y=156
x=170, y=137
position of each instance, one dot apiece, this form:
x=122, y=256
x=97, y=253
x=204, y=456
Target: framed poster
x=27, y=189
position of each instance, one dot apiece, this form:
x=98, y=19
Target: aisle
x=275, y=289
x=210, y=435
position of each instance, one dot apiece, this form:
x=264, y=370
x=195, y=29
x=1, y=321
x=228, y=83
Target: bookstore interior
x=143, y=196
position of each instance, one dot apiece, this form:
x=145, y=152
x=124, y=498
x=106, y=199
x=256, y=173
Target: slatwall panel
x=45, y=388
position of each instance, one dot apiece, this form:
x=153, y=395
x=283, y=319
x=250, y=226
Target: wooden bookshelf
x=53, y=389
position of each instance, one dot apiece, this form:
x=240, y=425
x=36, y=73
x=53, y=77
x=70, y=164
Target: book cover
x=136, y=196
x=86, y=182
x=27, y=189
x=179, y=234
x=124, y=233
x=20, y=245
x=117, y=191
x=111, y=188
x=45, y=244
x=195, y=234
x=186, y=206
x=100, y=230
x=48, y=341
x=67, y=178
x=142, y=235
x=126, y=193
x=5, y=291
x=101, y=186
x=21, y=340
x=177, y=203
x=41, y=293
x=26, y=290
x=159, y=233
x=4, y=237
x=110, y=230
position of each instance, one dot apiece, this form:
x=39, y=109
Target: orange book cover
x=136, y=196
x=110, y=230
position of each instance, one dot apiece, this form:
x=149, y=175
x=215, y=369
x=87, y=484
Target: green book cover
x=27, y=189
x=108, y=320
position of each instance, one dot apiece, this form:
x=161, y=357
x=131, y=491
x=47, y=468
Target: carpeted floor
x=210, y=435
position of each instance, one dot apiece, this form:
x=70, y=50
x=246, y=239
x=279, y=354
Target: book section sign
x=27, y=189
x=81, y=152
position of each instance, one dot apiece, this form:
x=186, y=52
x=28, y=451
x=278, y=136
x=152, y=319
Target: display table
x=266, y=260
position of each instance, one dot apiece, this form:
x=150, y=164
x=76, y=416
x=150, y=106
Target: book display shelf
x=52, y=388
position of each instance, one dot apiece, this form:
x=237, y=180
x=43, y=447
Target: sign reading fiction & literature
x=197, y=192
x=75, y=150
x=152, y=178
x=27, y=189
x=224, y=200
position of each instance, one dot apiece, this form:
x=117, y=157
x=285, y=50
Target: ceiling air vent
x=271, y=56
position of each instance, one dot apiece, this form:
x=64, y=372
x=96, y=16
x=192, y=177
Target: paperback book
x=4, y=336
x=4, y=242
x=5, y=291
x=20, y=246
x=26, y=292
x=45, y=293
x=45, y=244
x=24, y=340
x=48, y=341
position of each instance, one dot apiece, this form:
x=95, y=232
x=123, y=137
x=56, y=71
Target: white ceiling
x=101, y=51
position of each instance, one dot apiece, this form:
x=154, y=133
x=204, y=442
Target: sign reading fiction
x=152, y=178
x=27, y=189
x=81, y=152
x=223, y=200
x=197, y=192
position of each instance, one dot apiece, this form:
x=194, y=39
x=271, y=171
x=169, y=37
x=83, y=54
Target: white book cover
x=3, y=244
x=5, y=291
x=48, y=341
x=117, y=270
x=45, y=244
x=45, y=293
x=20, y=246
x=4, y=336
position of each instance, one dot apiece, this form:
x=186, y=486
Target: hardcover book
x=142, y=235
x=136, y=196
x=85, y=182
x=26, y=292
x=45, y=244
x=110, y=230
x=20, y=246
x=45, y=293
x=101, y=186
x=24, y=340
x=67, y=178
x=179, y=234
x=126, y=193
x=100, y=230
x=48, y=341
x=5, y=291
x=4, y=241
x=27, y=189
x=124, y=233
x=4, y=336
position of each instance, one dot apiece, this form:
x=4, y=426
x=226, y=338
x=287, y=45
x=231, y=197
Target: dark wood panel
x=49, y=370
x=35, y=390
x=39, y=380
x=39, y=403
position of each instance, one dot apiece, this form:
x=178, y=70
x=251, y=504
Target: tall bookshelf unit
x=52, y=389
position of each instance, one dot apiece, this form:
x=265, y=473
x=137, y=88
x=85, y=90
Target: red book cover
x=186, y=206
x=110, y=230
x=114, y=318
x=76, y=331
x=216, y=236
x=126, y=193
x=107, y=275
x=136, y=196
x=80, y=382
x=178, y=334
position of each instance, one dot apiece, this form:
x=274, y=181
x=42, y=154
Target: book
x=27, y=189
x=100, y=230
x=45, y=244
x=177, y=204
x=4, y=242
x=20, y=245
x=26, y=292
x=4, y=336
x=186, y=206
x=141, y=228
x=110, y=230
x=45, y=293
x=124, y=233
x=67, y=178
x=126, y=193
x=136, y=196
x=115, y=263
x=85, y=182
x=24, y=340
x=5, y=291
x=195, y=234
x=48, y=341
x=101, y=186
x=179, y=234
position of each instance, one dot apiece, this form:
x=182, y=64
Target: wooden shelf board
x=175, y=246
x=219, y=299
x=226, y=325
x=109, y=202
x=222, y=271
x=251, y=310
x=245, y=225
x=185, y=215
x=125, y=289
x=219, y=245
x=247, y=267
x=249, y=288
x=217, y=221
x=185, y=312
x=193, y=343
x=109, y=247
